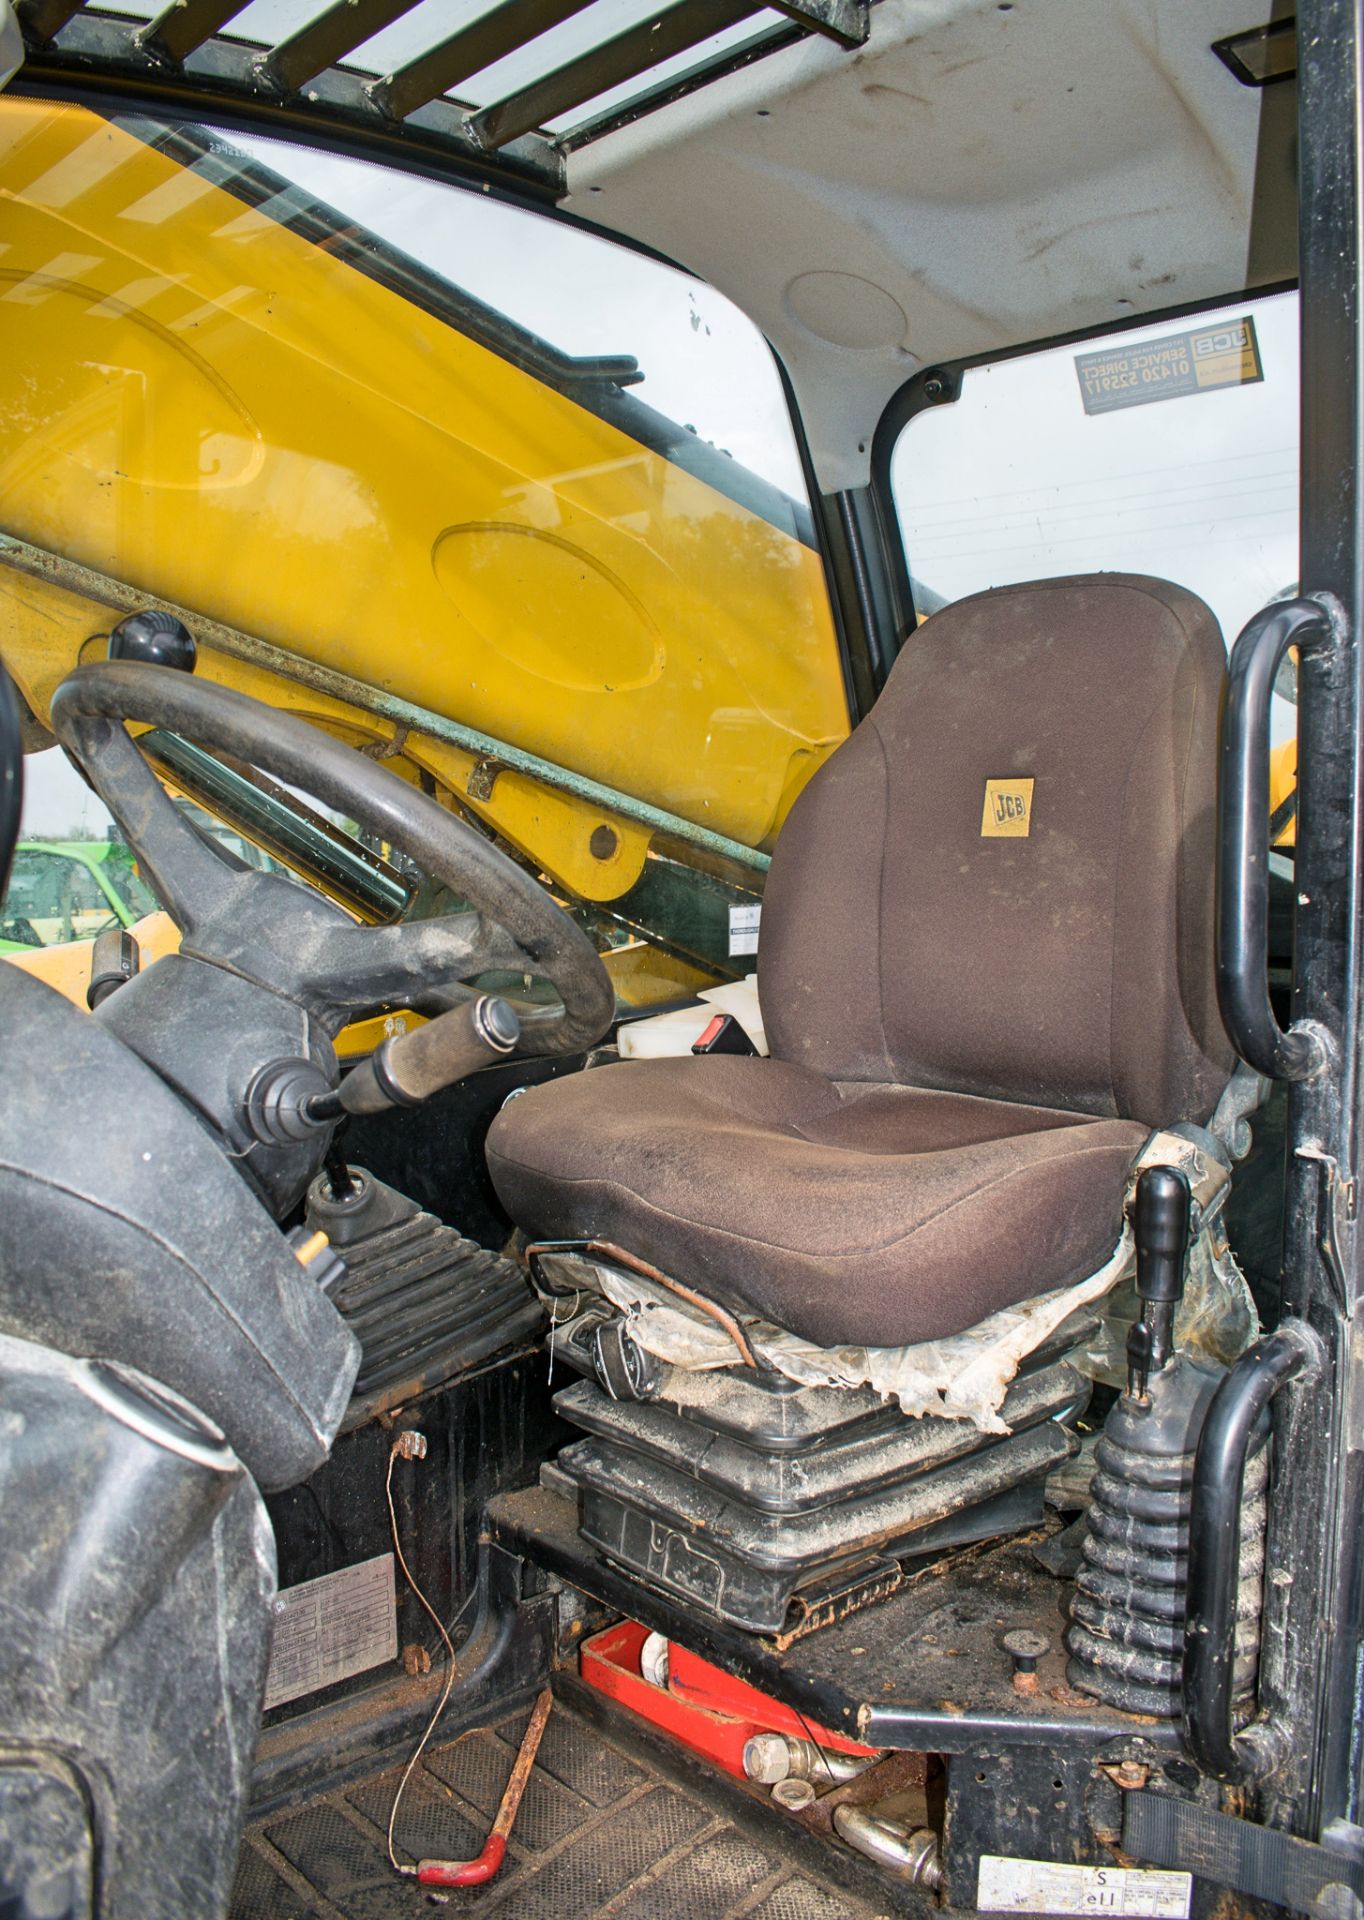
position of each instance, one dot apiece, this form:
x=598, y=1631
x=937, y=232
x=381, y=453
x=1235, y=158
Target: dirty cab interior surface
x=686, y=1246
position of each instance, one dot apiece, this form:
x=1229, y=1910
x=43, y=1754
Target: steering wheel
x=265, y=928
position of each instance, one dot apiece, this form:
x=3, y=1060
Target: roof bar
x=658, y=37
x=322, y=42
x=42, y=19
x=183, y=26
x=504, y=30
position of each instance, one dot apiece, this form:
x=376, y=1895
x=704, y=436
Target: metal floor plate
x=601, y=1836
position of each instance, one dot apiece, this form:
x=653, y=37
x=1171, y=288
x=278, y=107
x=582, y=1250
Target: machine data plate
x=332, y=1627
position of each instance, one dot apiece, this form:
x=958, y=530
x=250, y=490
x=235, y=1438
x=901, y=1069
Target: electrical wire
x=449, y=1649
x=823, y=1759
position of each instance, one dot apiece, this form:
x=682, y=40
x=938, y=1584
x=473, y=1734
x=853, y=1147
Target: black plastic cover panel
x=135, y=1610
x=126, y=1232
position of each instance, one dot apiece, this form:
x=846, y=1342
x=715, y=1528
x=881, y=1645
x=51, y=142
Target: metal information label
x=329, y=1628
x=1227, y=355
x=1042, y=1886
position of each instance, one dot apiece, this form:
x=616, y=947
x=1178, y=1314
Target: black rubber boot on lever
x=240, y=1022
x=1127, y=1611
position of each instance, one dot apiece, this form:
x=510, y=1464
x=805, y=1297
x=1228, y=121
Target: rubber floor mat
x=600, y=1836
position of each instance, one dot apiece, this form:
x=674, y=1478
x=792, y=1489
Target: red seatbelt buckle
x=724, y=1035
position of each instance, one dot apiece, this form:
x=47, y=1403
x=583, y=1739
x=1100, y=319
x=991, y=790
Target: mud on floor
x=600, y=1836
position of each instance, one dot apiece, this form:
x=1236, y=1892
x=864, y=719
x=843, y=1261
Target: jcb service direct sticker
x=1227, y=355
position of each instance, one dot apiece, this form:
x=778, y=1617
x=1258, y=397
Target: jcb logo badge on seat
x=1008, y=810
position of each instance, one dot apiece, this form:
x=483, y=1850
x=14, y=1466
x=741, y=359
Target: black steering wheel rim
x=268, y=929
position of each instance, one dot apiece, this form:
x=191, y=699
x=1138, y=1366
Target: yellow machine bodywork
x=1283, y=780
x=226, y=417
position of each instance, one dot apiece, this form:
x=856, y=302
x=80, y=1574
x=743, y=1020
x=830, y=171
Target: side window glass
x=1168, y=449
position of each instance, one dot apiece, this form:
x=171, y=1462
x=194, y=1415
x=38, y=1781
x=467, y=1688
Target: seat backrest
x=1002, y=883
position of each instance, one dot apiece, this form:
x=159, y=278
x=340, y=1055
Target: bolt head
x=1023, y=1643
x=767, y=1759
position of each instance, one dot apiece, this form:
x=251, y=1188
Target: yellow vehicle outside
x=229, y=419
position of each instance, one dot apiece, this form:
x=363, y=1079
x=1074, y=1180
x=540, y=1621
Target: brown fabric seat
x=972, y=1033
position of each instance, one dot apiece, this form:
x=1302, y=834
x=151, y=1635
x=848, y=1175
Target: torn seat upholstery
x=986, y=974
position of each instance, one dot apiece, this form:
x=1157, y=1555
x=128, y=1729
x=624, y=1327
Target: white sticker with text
x=743, y=929
x=1041, y=1886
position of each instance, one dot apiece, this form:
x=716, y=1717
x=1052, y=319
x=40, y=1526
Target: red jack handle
x=474, y=1873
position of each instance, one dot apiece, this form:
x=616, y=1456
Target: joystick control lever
x=1161, y=1220
x=408, y=1068
x=292, y=1100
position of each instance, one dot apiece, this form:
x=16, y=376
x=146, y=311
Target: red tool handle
x=464, y=1873
x=475, y=1873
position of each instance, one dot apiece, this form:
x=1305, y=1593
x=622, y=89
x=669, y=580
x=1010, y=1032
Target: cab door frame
x=1311, y=1678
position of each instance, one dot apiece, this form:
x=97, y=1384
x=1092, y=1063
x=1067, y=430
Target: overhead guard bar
x=1243, y=843
x=659, y=36
x=183, y=27
x=637, y=49
x=302, y=81
x=326, y=39
x=481, y=43
x=42, y=19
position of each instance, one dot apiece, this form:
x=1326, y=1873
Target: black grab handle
x=1208, y=1681
x=1243, y=844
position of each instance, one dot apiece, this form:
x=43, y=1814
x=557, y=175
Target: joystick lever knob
x=1161, y=1220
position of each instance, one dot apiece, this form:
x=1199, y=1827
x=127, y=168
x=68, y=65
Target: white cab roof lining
x=979, y=175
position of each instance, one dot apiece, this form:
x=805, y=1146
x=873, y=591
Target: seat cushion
x=854, y=1213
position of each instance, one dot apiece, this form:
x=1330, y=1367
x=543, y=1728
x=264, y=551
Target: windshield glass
x=697, y=361
x=512, y=508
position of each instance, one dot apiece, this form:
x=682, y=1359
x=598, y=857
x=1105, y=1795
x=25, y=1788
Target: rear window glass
x=1168, y=449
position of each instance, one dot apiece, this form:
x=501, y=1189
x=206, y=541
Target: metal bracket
x=1338, y=1199
x=845, y=21
x=483, y=778
x=390, y=748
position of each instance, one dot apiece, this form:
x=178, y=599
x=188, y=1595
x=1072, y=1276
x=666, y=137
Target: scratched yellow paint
x=201, y=403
